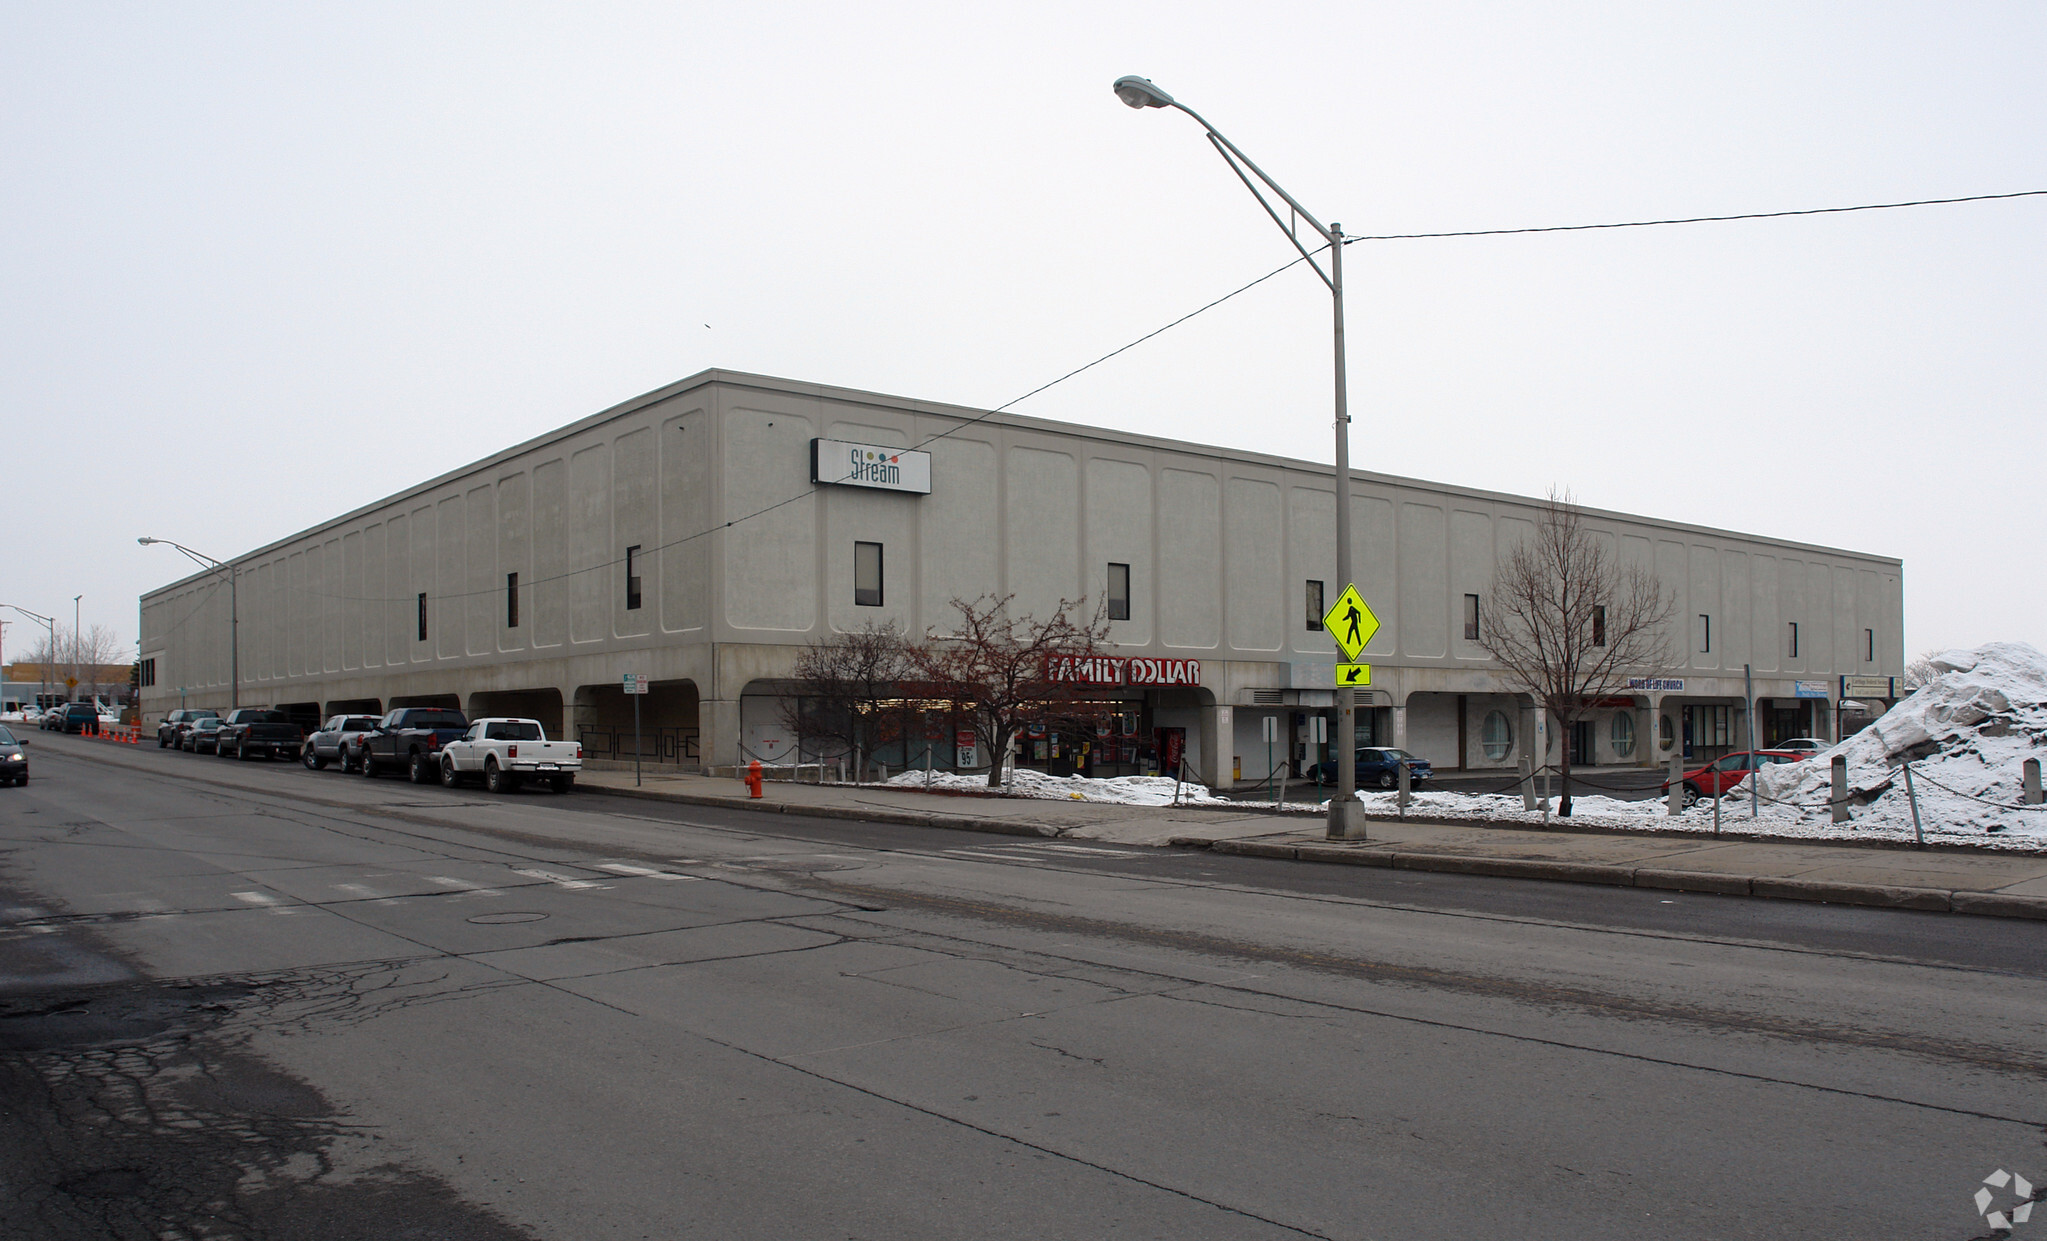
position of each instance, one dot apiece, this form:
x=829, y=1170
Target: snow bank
x=1025, y=782
x=1967, y=732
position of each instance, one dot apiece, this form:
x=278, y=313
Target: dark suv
x=167, y=728
x=79, y=717
x=1379, y=767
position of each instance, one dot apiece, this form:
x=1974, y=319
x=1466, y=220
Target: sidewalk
x=1947, y=880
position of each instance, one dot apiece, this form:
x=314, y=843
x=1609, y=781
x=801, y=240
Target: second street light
x=49, y=652
x=234, y=616
x=1344, y=820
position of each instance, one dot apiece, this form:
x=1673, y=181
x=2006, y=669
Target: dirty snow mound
x=1967, y=733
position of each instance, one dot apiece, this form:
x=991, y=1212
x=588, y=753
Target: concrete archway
x=601, y=719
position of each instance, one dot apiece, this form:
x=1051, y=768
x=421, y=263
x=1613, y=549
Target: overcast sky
x=261, y=264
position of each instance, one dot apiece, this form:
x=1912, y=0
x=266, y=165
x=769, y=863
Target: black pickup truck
x=408, y=740
x=249, y=731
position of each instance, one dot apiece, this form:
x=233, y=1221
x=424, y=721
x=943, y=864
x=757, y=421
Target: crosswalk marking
x=566, y=881
x=263, y=900
x=643, y=872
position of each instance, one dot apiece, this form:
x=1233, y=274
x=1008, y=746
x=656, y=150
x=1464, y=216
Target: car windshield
x=437, y=719
x=6, y=738
x=513, y=730
x=1395, y=756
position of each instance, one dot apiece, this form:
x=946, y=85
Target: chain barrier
x=1972, y=797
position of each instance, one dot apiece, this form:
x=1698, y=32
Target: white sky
x=260, y=264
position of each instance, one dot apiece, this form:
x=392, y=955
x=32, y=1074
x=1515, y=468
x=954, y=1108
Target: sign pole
x=1748, y=682
x=636, y=740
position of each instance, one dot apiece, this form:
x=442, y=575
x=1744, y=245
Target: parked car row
x=426, y=744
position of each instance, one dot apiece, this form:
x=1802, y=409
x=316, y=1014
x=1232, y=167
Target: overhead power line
x=1245, y=288
x=1694, y=219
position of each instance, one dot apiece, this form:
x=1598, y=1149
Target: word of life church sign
x=1114, y=670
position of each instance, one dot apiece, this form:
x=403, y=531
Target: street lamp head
x=1140, y=93
x=145, y=540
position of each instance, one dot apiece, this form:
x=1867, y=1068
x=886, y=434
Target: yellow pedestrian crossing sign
x=1353, y=674
x=1351, y=623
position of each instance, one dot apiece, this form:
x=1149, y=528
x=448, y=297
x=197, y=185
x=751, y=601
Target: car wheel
x=564, y=783
x=242, y=752
x=419, y=772
x=341, y=759
x=1691, y=797
x=1386, y=780
x=369, y=763
x=162, y=741
x=496, y=778
x=312, y=761
x=448, y=777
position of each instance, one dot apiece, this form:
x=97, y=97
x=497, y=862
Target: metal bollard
x=1918, y=832
x=1676, y=803
x=1406, y=789
x=1839, y=800
x=1527, y=785
x=2032, y=797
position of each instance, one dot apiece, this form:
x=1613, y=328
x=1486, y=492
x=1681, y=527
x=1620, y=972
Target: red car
x=1722, y=774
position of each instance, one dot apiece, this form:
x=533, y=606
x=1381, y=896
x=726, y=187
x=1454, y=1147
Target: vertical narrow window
x=1599, y=639
x=1315, y=608
x=511, y=601
x=867, y=575
x=1119, y=591
x=1869, y=646
x=1705, y=634
x=422, y=616
x=1793, y=652
x=1471, y=618
x=632, y=577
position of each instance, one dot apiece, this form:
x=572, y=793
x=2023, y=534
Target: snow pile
x=1967, y=733
x=1025, y=782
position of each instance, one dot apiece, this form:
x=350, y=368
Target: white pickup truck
x=504, y=753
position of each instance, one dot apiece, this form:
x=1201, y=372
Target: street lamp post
x=49, y=654
x=234, y=617
x=1344, y=821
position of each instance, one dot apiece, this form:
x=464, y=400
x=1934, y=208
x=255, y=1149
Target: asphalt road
x=316, y=1006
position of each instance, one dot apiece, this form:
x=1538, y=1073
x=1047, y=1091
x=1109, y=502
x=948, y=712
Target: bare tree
x=1920, y=670
x=102, y=659
x=1569, y=624
x=845, y=685
x=1008, y=672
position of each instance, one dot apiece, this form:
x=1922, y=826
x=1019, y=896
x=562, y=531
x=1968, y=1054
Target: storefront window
x=1496, y=735
x=1623, y=735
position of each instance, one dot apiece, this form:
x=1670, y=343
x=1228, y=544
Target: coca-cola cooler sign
x=1119, y=670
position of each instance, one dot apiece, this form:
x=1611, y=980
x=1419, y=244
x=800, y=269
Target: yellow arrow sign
x=1350, y=622
x=1353, y=674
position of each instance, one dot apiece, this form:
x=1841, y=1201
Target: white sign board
x=870, y=465
x=636, y=682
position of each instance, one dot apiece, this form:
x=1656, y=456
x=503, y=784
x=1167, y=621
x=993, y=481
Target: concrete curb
x=1882, y=896
x=878, y=814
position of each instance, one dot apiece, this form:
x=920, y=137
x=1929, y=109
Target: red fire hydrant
x=753, y=778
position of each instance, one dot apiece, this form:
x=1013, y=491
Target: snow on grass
x=1024, y=782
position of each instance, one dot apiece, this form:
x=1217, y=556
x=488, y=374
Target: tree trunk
x=998, y=752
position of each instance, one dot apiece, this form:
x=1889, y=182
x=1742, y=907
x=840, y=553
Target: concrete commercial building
x=701, y=534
